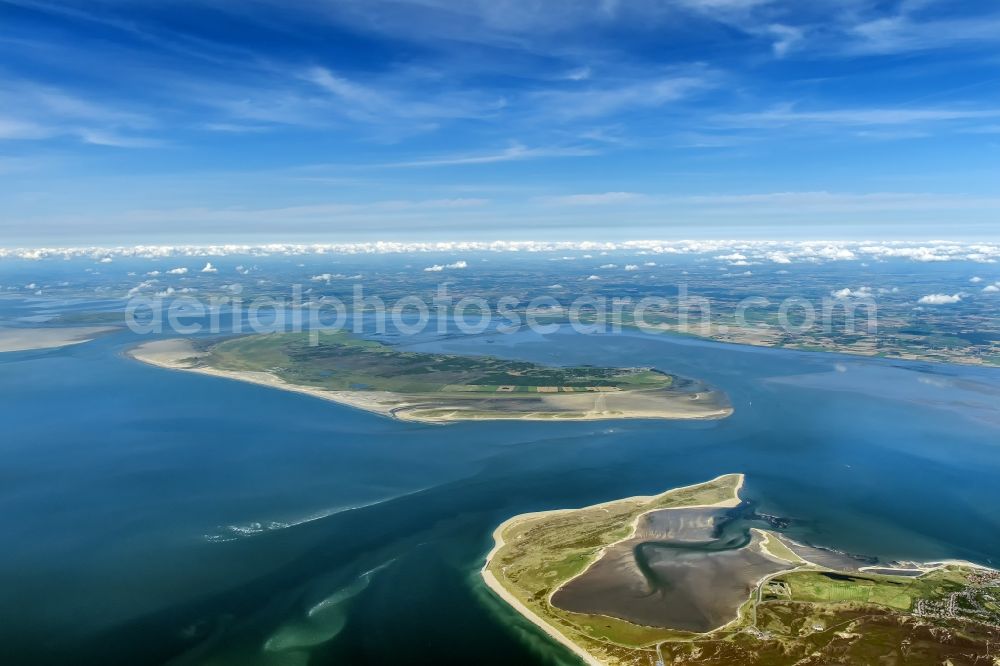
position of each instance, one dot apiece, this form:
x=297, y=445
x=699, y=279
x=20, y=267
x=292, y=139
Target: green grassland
x=898, y=592
x=343, y=362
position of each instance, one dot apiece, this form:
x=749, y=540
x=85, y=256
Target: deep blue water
x=155, y=517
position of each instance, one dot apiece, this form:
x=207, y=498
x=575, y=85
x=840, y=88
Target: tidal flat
x=671, y=581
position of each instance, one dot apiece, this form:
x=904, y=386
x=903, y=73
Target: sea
x=159, y=517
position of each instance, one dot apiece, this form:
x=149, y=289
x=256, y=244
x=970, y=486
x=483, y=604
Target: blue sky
x=225, y=121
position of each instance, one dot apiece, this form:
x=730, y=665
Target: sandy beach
x=498, y=589
x=180, y=354
x=27, y=339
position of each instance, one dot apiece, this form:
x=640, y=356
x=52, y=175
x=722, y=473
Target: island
x=438, y=388
x=691, y=576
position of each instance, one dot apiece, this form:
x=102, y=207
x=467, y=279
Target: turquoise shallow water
x=158, y=517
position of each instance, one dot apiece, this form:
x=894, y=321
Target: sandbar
x=28, y=339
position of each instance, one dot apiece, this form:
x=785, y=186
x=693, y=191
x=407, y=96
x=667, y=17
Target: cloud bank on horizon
x=734, y=253
x=427, y=119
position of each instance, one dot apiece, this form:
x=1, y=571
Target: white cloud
x=975, y=280
x=779, y=257
x=596, y=101
x=437, y=268
x=608, y=266
x=787, y=115
x=209, y=268
x=631, y=267
x=379, y=102
x=754, y=250
x=115, y=140
x=940, y=299
x=44, y=112
x=785, y=37
x=327, y=277
x=353, y=93
x=861, y=292
x=900, y=32
x=14, y=128
x=594, y=277
x=516, y=152
x=992, y=288
x=599, y=199
x=146, y=284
